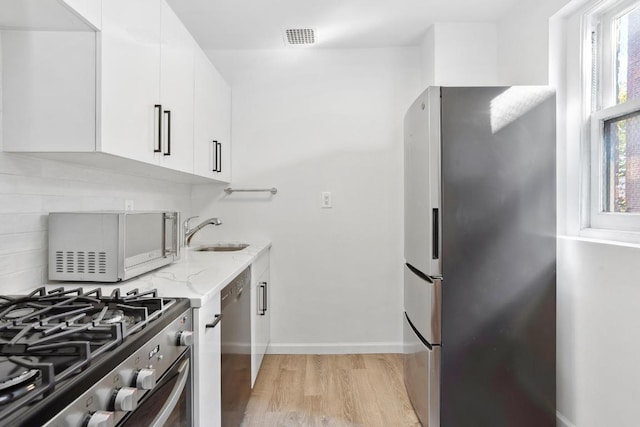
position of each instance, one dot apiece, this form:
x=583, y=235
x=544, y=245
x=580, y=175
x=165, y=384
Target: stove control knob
x=101, y=419
x=125, y=399
x=185, y=338
x=146, y=379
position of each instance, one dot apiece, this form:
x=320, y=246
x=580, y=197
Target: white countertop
x=197, y=275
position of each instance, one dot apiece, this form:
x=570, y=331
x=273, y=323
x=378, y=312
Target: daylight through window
x=615, y=136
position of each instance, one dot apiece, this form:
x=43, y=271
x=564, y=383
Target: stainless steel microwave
x=111, y=246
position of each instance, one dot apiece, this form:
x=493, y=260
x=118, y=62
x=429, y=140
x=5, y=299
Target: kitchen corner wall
x=308, y=121
x=32, y=187
x=460, y=54
x=523, y=42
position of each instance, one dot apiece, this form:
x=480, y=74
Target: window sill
x=606, y=237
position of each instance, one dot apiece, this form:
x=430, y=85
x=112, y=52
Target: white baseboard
x=335, y=348
x=562, y=421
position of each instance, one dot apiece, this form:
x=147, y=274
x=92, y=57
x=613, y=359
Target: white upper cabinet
x=212, y=127
x=130, y=79
x=48, y=90
x=123, y=98
x=176, y=91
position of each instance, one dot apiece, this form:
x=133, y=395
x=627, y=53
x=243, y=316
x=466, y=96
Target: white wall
x=460, y=54
x=307, y=121
x=523, y=42
x=599, y=289
x=427, y=57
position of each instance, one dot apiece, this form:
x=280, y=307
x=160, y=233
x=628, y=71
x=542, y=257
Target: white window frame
x=600, y=102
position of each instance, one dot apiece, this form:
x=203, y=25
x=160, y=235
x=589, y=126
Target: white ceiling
x=258, y=24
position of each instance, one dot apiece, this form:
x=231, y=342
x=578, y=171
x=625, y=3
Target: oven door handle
x=173, y=399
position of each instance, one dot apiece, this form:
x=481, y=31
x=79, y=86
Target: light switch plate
x=326, y=200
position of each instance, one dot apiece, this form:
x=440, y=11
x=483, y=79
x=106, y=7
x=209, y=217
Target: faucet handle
x=186, y=222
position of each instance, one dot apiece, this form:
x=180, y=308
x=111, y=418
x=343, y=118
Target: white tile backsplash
x=32, y=187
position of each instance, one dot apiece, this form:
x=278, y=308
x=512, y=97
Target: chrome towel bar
x=229, y=190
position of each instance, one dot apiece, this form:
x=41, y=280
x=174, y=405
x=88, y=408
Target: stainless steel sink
x=222, y=247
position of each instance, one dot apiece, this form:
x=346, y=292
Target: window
x=614, y=70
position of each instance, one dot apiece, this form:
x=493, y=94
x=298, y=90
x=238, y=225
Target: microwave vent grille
x=81, y=262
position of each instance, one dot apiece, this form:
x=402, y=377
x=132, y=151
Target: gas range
x=70, y=357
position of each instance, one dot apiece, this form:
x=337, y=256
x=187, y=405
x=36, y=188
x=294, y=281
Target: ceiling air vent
x=300, y=36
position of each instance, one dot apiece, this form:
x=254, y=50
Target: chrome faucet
x=189, y=232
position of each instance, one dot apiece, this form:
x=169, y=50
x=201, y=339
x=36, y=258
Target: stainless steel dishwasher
x=236, y=348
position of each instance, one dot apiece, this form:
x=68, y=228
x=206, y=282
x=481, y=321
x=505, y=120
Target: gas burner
x=19, y=312
x=111, y=316
x=16, y=381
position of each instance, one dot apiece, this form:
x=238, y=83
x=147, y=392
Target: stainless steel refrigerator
x=480, y=254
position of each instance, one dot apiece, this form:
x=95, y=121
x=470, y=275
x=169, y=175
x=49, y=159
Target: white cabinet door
x=207, y=407
x=260, y=313
x=261, y=328
x=176, y=92
x=49, y=91
x=212, y=127
x=130, y=78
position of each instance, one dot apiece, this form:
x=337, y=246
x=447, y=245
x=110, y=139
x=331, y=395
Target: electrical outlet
x=326, y=199
x=128, y=205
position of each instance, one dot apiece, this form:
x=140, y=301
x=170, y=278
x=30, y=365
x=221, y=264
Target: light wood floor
x=330, y=390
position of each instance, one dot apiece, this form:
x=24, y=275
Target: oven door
x=170, y=402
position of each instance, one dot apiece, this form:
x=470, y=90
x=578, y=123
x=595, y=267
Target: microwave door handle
x=173, y=250
x=174, y=397
x=164, y=236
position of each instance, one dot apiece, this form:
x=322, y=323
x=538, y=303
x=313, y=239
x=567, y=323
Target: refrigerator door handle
x=435, y=233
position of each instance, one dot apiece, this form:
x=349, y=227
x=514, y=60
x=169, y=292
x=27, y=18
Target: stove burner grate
x=48, y=337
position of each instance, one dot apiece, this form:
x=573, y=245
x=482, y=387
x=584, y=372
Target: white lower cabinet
x=207, y=408
x=260, y=313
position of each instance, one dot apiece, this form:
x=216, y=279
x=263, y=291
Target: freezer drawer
x=422, y=376
x=422, y=302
